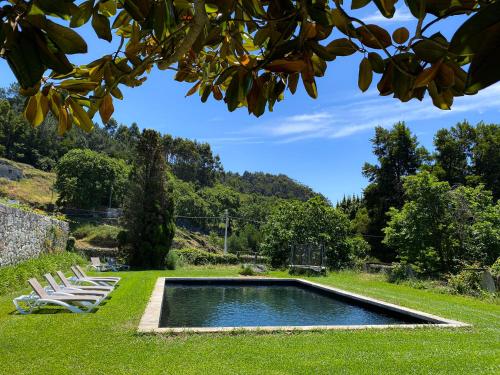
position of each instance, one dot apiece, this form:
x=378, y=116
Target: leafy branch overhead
x=244, y=52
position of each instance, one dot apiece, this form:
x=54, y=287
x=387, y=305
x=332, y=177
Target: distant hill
x=267, y=184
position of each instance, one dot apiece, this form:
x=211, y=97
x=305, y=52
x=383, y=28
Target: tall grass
x=14, y=277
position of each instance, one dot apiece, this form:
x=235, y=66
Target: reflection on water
x=260, y=305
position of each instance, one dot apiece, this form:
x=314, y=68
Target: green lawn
x=106, y=342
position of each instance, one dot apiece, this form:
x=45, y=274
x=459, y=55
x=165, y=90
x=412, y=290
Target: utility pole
x=226, y=214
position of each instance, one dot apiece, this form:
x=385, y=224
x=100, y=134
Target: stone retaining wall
x=25, y=235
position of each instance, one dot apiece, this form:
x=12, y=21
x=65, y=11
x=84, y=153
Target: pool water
x=253, y=304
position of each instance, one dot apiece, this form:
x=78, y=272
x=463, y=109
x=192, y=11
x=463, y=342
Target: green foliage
x=359, y=247
x=247, y=270
x=88, y=179
x=149, y=210
x=266, y=184
x=398, y=155
x=312, y=222
x=220, y=198
x=495, y=268
x=199, y=257
x=38, y=147
x=440, y=229
x=192, y=161
x=248, y=55
x=171, y=261
x=246, y=239
x=16, y=276
x=468, y=155
x=99, y=235
x=466, y=282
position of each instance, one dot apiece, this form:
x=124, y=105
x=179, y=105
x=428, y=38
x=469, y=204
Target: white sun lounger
x=40, y=297
x=104, y=280
x=95, y=263
x=66, y=282
x=73, y=290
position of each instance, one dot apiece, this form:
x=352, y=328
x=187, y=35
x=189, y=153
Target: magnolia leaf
x=401, y=35
x=116, y=92
x=376, y=62
x=82, y=15
x=357, y=4
x=309, y=84
x=446, y=76
x=33, y=111
x=193, y=89
x=374, y=36
x=429, y=51
x=63, y=123
x=427, y=75
x=365, y=74
x=101, y=26
x=68, y=40
x=106, y=108
x=386, y=7
x=217, y=93
x=341, y=47
x=107, y=7
x=286, y=66
x=83, y=118
x=211, y=8
x=293, y=80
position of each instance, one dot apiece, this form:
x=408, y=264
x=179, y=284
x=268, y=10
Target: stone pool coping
x=150, y=320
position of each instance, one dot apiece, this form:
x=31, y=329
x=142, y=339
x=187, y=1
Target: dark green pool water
x=226, y=305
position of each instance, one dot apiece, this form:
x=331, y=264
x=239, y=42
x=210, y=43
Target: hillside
x=269, y=185
x=34, y=189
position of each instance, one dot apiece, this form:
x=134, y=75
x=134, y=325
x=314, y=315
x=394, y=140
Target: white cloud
x=401, y=15
x=362, y=114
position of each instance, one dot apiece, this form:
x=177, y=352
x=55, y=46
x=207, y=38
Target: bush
x=70, y=244
x=199, y=257
x=495, y=268
x=401, y=272
x=247, y=270
x=171, y=261
x=15, y=277
x=466, y=282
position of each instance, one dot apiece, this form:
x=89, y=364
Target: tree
x=467, y=155
x=453, y=152
x=440, y=229
x=246, y=52
x=192, y=161
x=313, y=222
x=88, y=179
x=398, y=155
x=149, y=210
x=267, y=184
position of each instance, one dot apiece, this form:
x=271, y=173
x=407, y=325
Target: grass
x=15, y=276
x=107, y=342
x=34, y=189
x=99, y=235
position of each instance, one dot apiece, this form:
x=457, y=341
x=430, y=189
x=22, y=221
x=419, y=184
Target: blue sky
x=322, y=143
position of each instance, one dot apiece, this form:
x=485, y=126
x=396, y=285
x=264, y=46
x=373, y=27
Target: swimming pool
x=221, y=304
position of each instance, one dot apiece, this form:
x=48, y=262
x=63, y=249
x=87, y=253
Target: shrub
x=70, y=244
x=200, y=257
x=466, y=282
x=14, y=277
x=495, y=268
x=171, y=261
x=401, y=272
x=247, y=270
